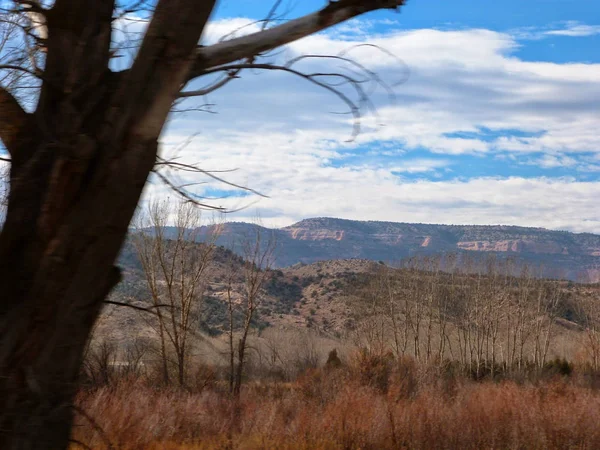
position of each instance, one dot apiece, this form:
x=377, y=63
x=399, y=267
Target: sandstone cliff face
x=515, y=245
x=563, y=254
x=316, y=235
x=491, y=238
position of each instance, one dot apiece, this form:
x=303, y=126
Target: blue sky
x=503, y=16
x=496, y=123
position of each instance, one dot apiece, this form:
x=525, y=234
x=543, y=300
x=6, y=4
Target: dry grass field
x=368, y=403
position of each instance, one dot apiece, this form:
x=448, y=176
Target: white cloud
x=459, y=81
x=575, y=29
x=551, y=161
x=569, y=28
x=298, y=185
x=419, y=166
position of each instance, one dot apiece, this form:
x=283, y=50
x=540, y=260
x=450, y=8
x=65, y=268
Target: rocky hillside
x=303, y=296
x=561, y=254
x=325, y=297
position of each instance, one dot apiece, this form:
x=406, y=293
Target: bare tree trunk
x=230, y=311
x=53, y=290
x=163, y=354
x=258, y=259
x=75, y=182
x=239, y=371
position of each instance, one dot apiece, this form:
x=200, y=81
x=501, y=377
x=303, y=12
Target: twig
x=139, y=308
x=94, y=425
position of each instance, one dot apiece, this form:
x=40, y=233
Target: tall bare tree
x=547, y=304
x=258, y=255
x=175, y=267
x=589, y=311
x=79, y=161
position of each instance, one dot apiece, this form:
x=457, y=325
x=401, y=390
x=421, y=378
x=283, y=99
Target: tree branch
x=94, y=425
x=207, y=90
x=13, y=120
x=138, y=308
x=353, y=107
x=161, y=162
x=256, y=43
x=34, y=73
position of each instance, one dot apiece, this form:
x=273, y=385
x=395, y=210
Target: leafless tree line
x=491, y=312
x=177, y=259
x=176, y=255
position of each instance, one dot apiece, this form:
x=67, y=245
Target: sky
x=493, y=118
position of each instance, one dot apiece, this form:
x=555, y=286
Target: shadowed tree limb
x=315, y=78
x=269, y=39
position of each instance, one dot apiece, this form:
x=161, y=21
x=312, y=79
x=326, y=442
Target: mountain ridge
x=563, y=254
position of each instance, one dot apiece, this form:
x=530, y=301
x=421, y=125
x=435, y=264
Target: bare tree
x=397, y=319
x=257, y=260
x=546, y=311
x=79, y=162
x=589, y=311
x=372, y=305
x=522, y=315
x=175, y=267
x=99, y=362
